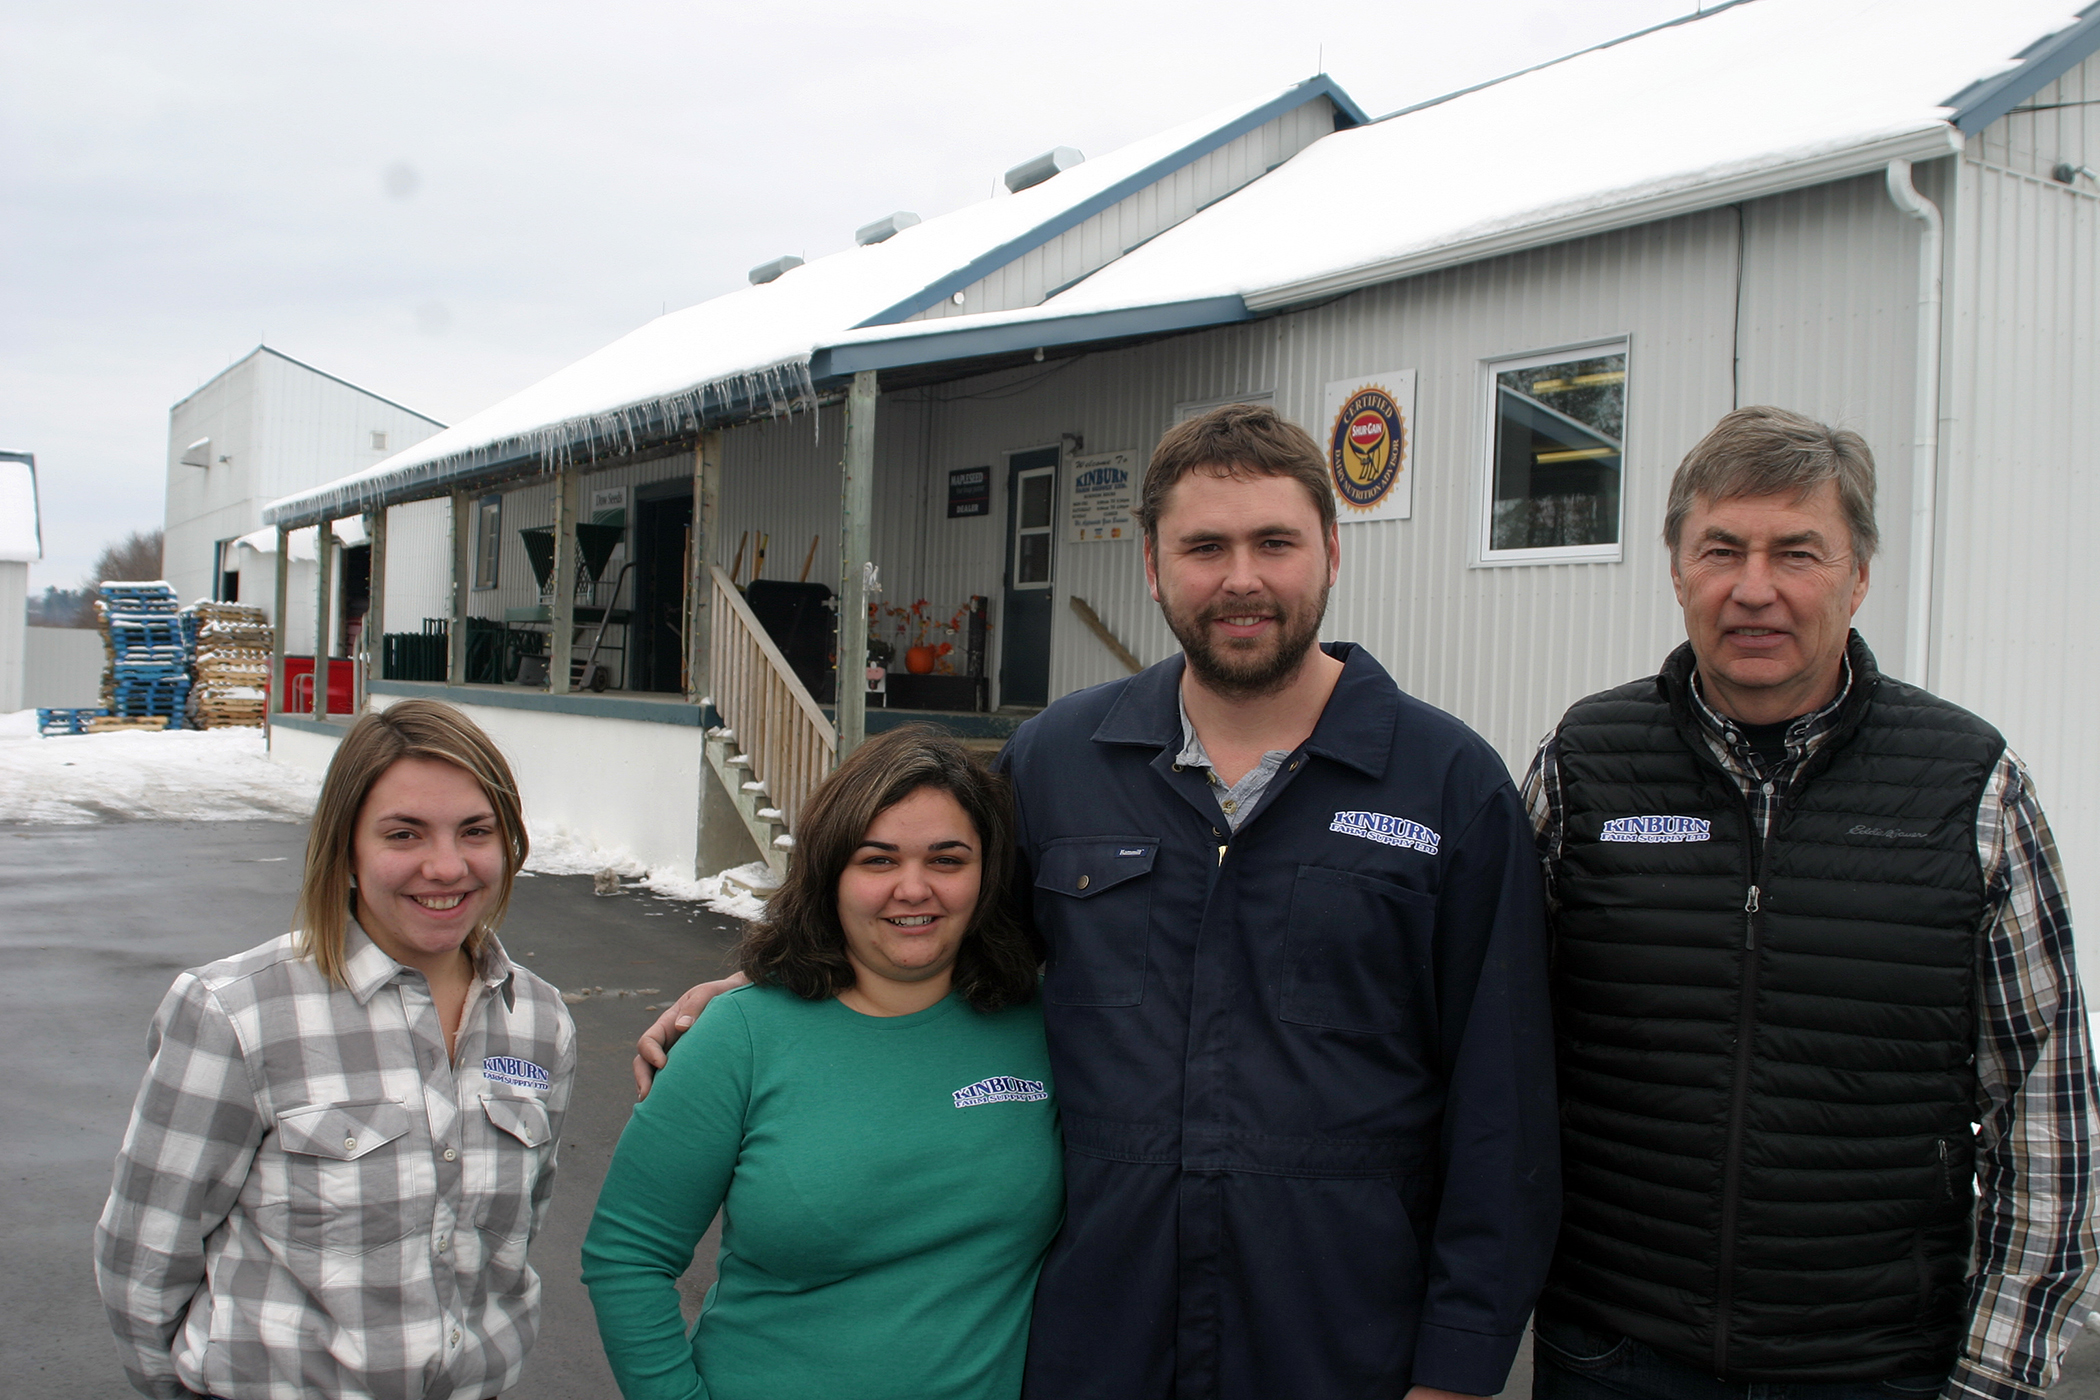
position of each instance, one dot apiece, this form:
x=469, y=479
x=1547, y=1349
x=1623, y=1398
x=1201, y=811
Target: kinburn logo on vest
x=1001, y=1088
x=1653, y=831
x=519, y=1074
x=1387, y=831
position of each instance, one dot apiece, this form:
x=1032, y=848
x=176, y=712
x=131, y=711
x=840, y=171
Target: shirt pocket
x=519, y=1137
x=348, y=1186
x=1093, y=902
x=1358, y=954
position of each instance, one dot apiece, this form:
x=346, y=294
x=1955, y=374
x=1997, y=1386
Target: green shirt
x=889, y=1186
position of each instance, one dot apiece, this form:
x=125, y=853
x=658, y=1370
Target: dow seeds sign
x=1371, y=446
x=1099, y=499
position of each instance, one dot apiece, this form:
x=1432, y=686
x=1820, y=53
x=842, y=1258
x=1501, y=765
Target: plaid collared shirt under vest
x=311, y=1200
x=2031, y=1278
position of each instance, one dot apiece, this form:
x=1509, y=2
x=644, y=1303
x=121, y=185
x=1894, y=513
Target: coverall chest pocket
x=347, y=1185
x=1357, y=956
x=1093, y=903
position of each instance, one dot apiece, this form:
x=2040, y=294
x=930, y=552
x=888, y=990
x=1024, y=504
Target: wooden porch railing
x=777, y=722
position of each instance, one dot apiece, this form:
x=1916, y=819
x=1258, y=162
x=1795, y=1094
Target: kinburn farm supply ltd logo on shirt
x=1387, y=831
x=519, y=1074
x=1655, y=831
x=1001, y=1088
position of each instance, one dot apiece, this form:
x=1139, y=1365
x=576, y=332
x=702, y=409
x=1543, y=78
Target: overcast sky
x=446, y=201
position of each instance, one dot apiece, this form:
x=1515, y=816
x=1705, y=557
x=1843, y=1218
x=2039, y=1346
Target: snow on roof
x=1756, y=86
x=21, y=539
x=1761, y=95
x=752, y=346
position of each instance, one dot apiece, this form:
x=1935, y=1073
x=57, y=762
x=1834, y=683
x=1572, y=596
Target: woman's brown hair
x=798, y=943
x=376, y=742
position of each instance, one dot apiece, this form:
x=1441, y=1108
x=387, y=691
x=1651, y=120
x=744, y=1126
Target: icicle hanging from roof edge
x=776, y=390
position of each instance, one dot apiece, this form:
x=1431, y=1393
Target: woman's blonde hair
x=376, y=742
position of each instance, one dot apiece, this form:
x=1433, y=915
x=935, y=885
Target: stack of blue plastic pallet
x=150, y=646
x=51, y=723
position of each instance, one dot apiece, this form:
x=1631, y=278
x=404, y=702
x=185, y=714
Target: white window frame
x=1484, y=555
x=1053, y=470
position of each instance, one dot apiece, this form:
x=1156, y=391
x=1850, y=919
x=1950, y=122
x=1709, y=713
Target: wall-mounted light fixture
x=197, y=454
x=2068, y=173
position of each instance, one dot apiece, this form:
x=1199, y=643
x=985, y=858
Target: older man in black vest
x=1827, y=1094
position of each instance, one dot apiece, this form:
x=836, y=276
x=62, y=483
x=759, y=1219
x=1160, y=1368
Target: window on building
x=1557, y=457
x=378, y=441
x=488, y=540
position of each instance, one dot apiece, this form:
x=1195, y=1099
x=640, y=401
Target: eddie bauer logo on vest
x=1001, y=1088
x=1656, y=830
x=1888, y=833
x=1387, y=831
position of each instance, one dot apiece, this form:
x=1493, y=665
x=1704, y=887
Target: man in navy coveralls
x=1296, y=991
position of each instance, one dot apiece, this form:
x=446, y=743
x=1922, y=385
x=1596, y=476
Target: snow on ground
x=199, y=775
x=226, y=775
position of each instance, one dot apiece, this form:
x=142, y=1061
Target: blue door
x=1031, y=552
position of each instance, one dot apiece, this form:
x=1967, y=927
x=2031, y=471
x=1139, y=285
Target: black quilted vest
x=1766, y=1098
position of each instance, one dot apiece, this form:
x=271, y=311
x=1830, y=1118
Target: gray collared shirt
x=312, y=1198
x=1236, y=800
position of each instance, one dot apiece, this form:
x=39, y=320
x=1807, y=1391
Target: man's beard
x=1247, y=672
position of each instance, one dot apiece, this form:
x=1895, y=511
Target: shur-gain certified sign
x=1371, y=446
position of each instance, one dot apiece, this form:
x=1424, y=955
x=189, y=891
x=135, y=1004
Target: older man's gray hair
x=1766, y=451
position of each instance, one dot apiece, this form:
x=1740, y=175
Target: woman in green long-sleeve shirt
x=873, y=1117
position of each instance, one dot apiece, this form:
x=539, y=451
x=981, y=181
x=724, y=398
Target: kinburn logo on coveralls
x=1652, y=831
x=519, y=1074
x=1387, y=831
x=1001, y=1088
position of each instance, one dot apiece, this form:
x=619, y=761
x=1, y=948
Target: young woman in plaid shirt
x=346, y=1136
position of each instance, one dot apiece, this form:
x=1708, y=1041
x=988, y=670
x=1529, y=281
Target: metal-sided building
x=1508, y=313
x=263, y=427
x=21, y=544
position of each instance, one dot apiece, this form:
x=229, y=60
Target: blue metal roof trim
x=1692, y=18
x=2041, y=63
x=967, y=341
x=1347, y=114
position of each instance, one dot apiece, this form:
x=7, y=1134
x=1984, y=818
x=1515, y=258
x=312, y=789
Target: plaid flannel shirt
x=312, y=1199
x=2031, y=1281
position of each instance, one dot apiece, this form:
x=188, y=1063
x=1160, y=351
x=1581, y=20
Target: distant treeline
x=133, y=559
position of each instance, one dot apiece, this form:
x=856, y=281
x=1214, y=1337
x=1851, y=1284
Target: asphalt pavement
x=96, y=921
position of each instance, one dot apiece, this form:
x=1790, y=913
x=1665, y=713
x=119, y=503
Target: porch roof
x=746, y=353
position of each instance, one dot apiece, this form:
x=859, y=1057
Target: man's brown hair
x=376, y=742
x=798, y=942
x=1766, y=451
x=1238, y=440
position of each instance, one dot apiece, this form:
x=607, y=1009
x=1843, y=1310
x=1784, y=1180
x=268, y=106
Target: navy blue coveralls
x=1304, y=1070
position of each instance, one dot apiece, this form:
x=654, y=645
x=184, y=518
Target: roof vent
x=197, y=454
x=884, y=228
x=1034, y=172
x=766, y=272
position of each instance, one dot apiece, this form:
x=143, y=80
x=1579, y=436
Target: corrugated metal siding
x=285, y=428
x=2019, y=488
x=418, y=564
x=1829, y=330
x=2061, y=131
x=1109, y=234
x=1826, y=330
